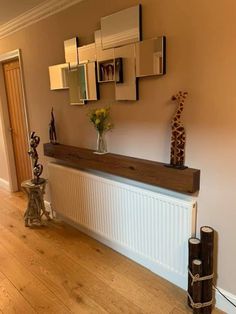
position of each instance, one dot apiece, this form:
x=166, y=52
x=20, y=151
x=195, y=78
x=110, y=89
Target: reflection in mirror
x=74, y=87
x=58, y=75
x=71, y=53
x=87, y=53
x=82, y=81
x=126, y=90
x=92, y=93
x=121, y=28
x=150, y=57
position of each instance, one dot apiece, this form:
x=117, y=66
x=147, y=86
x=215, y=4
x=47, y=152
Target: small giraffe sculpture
x=178, y=133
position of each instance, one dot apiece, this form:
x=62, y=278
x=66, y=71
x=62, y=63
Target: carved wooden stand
x=35, y=208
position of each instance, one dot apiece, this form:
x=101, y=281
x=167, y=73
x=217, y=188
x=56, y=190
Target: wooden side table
x=35, y=208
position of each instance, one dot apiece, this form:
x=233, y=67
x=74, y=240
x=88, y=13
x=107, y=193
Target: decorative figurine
x=178, y=139
x=37, y=168
x=52, y=129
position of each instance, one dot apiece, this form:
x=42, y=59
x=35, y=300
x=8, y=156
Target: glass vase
x=101, y=143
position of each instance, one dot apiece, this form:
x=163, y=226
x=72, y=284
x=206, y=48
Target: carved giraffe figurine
x=177, y=154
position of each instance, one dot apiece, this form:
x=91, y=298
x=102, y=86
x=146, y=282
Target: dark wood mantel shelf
x=146, y=171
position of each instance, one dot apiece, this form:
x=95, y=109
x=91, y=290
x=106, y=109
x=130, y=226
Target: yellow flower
x=97, y=121
x=97, y=112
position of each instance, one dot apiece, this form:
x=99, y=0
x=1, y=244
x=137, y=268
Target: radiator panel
x=149, y=227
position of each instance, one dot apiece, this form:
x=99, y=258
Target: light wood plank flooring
x=57, y=269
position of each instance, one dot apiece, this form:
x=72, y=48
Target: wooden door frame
x=4, y=115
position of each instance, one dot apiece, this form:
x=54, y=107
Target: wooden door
x=13, y=85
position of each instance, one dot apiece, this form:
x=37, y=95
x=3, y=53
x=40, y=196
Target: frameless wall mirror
x=91, y=80
x=71, y=53
x=58, y=75
x=74, y=88
x=87, y=53
x=121, y=28
x=150, y=57
x=83, y=83
x=117, y=55
x=87, y=81
x=127, y=90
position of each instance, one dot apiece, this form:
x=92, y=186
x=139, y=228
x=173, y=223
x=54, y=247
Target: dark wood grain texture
x=194, y=248
x=197, y=286
x=146, y=171
x=207, y=253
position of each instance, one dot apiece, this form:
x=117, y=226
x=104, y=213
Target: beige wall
x=201, y=58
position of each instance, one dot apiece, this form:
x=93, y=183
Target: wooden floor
x=57, y=269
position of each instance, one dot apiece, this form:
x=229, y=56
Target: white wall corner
x=40, y=12
x=223, y=304
x=5, y=184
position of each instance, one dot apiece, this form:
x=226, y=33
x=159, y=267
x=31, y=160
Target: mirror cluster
x=118, y=55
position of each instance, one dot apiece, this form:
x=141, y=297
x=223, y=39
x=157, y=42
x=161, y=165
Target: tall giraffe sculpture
x=178, y=139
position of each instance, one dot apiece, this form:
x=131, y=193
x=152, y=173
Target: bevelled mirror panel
x=91, y=80
x=82, y=82
x=71, y=53
x=150, y=57
x=87, y=53
x=74, y=87
x=101, y=54
x=87, y=81
x=121, y=28
x=127, y=89
x=58, y=75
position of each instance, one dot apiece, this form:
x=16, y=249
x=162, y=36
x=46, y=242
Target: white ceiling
x=10, y=9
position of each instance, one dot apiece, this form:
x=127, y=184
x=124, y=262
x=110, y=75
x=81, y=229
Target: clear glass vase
x=101, y=143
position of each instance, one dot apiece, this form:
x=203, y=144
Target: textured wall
x=201, y=52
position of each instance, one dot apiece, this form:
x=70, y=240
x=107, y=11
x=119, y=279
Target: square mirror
x=150, y=57
x=87, y=53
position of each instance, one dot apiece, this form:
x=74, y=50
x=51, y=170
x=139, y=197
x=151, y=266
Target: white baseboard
x=223, y=304
x=220, y=302
x=4, y=184
x=156, y=268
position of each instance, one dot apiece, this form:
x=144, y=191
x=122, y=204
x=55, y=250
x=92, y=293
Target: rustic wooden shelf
x=146, y=171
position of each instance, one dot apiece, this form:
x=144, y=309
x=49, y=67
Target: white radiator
x=148, y=227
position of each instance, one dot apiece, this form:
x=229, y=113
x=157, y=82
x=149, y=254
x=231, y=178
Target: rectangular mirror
x=74, y=87
x=126, y=90
x=71, y=52
x=58, y=75
x=91, y=79
x=82, y=83
x=150, y=57
x=121, y=28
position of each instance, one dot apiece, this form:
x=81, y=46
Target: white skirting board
x=4, y=184
x=149, y=227
x=223, y=304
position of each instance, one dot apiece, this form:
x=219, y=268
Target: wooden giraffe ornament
x=178, y=139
